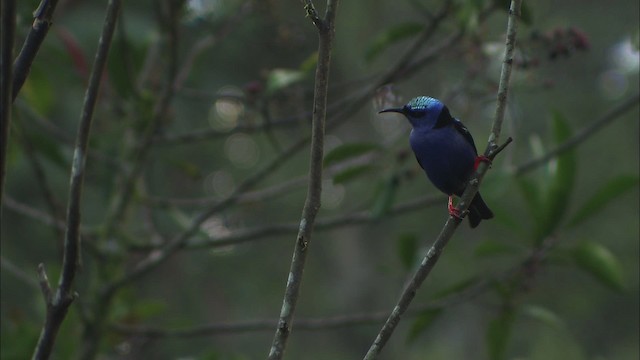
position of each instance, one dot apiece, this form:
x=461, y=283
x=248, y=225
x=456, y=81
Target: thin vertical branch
x=326, y=29
x=58, y=303
x=36, y=36
x=452, y=223
x=8, y=26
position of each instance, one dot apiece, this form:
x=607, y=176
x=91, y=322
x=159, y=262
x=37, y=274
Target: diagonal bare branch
x=452, y=223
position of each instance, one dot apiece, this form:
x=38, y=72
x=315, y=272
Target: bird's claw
x=479, y=159
x=452, y=209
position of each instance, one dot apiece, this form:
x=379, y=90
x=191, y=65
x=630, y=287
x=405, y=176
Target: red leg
x=452, y=209
x=479, y=159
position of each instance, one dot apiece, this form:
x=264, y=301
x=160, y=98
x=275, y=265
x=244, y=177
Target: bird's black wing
x=459, y=126
x=445, y=118
x=419, y=163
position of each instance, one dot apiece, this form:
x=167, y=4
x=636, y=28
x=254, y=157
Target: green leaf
x=386, y=196
x=562, y=179
x=599, y=262
x=543, y=315
x=492, y=247
x=612, y=189
x=351, y=173
x=391, y=36
x=407, y=249
x=422, y=322
x=498, y=334
x=347, y=151
x=281, y=78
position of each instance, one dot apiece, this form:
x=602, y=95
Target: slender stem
x=36, y=36
x=59, y=303
x=326, y=31
x=452, y=223
x=8, y=26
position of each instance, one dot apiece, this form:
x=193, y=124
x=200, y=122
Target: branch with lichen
x=326, y=29
x=433, y=254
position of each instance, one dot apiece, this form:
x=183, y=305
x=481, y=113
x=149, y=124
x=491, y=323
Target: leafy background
x=554, y=276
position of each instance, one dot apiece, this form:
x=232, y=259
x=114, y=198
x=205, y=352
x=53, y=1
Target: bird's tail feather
x=478, y=210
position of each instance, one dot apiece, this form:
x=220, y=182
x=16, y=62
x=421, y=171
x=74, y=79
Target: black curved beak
x=396, y=110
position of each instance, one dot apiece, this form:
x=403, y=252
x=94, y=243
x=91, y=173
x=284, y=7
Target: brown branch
x=326, y=34
x=58, y=304
x=32, y=43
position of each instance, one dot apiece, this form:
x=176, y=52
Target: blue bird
x=445, y=150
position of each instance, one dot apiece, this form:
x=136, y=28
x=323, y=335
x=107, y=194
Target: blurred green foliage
x=524, y=285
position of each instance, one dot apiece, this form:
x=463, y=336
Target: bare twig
x=452, y=223
x=580, y=136
x=38, y=32
x=8, y=26
x=326, y=33
x=59, y=303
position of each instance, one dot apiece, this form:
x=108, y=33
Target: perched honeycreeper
x=445, y=150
